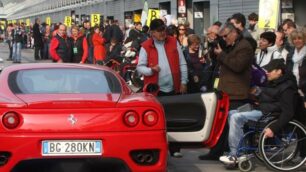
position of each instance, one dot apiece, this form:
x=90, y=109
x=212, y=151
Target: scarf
x=297, y=61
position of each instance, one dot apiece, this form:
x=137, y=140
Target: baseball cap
x=275, y=64
x=157, y=24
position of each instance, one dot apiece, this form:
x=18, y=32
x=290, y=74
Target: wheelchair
x=283, y=152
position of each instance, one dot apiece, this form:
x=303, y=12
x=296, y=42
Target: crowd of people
x=226, y=62
x=179, y=61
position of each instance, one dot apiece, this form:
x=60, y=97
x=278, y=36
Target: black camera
x=214, y=44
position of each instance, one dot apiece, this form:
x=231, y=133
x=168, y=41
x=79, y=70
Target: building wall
x=115, y=8
x=300, y=6
x=218, y=9
x=1, y=11
x=229, y=7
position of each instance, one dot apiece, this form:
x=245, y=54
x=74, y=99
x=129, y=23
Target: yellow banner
x=68, y=21
x=153, y=14
x=48, y=21
x=137, y=17
x=95, y=19
x=268, y=14
x=2, y=24
x=14, y=21
x=28, y=22
x=20, y=21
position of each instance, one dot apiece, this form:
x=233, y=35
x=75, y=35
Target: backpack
x=258, y=76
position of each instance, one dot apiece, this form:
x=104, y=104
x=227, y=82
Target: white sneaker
x=177, y=155
x=228, y=159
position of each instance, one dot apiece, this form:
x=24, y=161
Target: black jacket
x=113, y=31
x=17, y=35
x=78, y=44
x=37, y=35
x=137, y=37
x=64, y=49
x=115, y=54
x=280, y=97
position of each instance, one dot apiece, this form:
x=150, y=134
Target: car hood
x=67, y=101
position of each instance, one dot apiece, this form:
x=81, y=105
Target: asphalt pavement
x=188, y=163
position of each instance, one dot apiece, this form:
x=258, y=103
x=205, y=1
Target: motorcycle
x=128, y=66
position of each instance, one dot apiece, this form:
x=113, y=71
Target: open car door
x=195, y=120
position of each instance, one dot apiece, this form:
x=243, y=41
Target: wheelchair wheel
x=258, y=156
x=282, y=151
x=231, y=166
x=245, y=165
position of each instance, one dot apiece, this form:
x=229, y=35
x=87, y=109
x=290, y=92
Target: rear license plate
x=71, y=147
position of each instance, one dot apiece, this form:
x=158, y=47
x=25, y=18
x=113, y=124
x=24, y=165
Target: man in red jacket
x=162, y=62
x=61, y=46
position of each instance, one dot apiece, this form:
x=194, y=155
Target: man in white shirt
x=280, y=43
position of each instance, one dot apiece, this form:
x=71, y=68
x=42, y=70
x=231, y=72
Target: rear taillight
x=11, y=120
x=150, y=118
x=131, y=118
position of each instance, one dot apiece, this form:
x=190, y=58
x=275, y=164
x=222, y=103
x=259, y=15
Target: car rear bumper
x=117, y=145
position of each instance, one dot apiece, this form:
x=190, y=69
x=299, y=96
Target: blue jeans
x=236, y=121
x=46, y=51
x=17, y=52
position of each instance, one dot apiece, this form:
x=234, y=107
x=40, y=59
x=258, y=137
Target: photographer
x=212, y=40
x=235, y=71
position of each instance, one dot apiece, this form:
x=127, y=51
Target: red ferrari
x=70, y=117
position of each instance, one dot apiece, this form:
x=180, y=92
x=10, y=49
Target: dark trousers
x=161, y=93
x=90, y=58
x=11, y=49
x=222, y=145
x=46, y=51
x=38, y=52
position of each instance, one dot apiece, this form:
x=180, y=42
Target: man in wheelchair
x=280, y=95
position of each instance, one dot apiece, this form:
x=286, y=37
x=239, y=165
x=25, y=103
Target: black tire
x=122, y=68
x=258, y=156
x=231, y=166
x=245, y=165
x=281, y=152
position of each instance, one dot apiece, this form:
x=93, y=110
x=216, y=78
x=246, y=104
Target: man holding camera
x=235, y=65
x=234, y=76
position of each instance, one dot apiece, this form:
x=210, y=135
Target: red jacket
x=99, y=49
x=61, y=48
x=84, y=46
x=54, y=33
x=173, y=59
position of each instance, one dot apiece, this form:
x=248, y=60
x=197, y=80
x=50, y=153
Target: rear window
x=61, y=81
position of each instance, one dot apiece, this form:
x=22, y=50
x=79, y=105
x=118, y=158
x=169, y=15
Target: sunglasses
x=182, y=29
x=226, y=35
